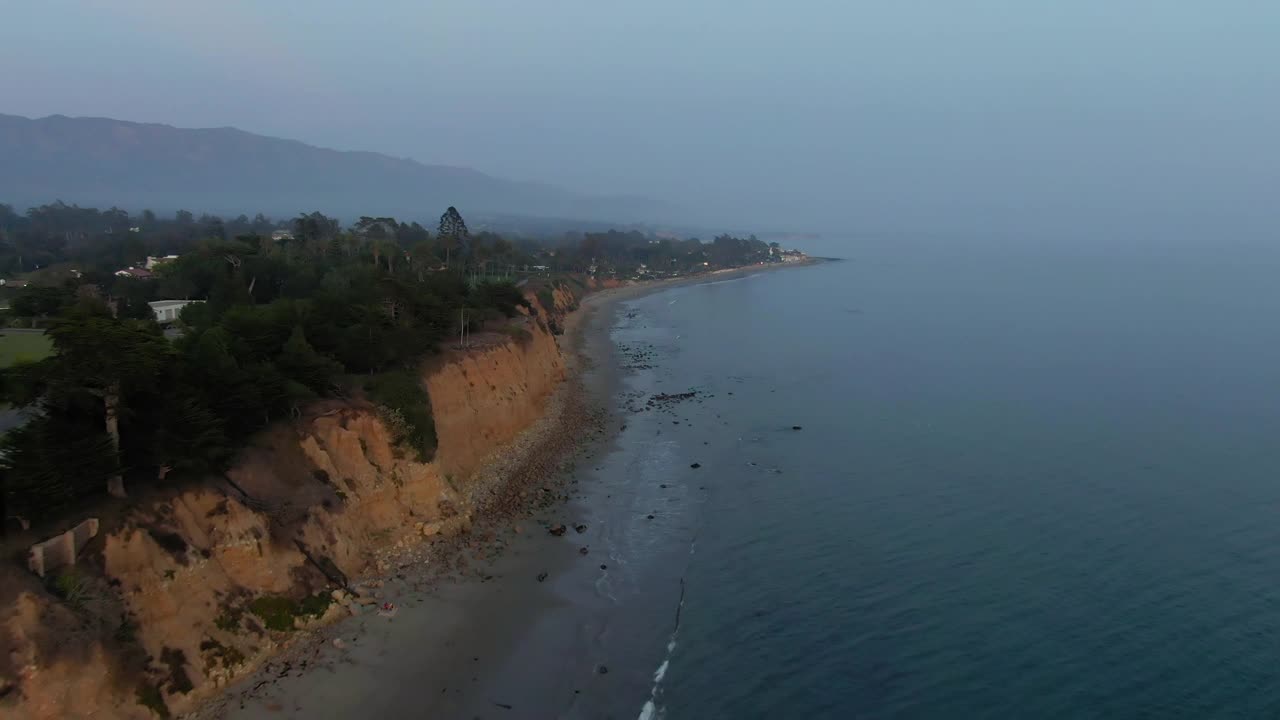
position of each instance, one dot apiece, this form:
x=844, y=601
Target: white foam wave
x=651, y=711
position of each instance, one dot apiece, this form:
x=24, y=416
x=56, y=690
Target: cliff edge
x=194, y=588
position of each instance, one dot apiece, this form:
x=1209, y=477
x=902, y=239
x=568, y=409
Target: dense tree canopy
x=289, y=311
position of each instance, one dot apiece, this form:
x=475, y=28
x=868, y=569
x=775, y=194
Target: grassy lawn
x=22, y=346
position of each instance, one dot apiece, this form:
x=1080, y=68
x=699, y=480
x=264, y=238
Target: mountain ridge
x=105, y=161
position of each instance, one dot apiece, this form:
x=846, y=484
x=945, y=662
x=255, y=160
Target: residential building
x=135, y=272
x=167, y=311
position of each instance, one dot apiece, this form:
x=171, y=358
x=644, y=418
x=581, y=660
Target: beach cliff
x=194, y=588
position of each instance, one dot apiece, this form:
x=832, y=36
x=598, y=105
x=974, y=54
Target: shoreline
x=450, y=635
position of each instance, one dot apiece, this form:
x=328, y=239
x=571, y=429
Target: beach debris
x=580, y=528
x=695, y=466
x=388, y=610
x=338, y=643
x=558, y=530
x=542, y=576
x=504, y=706
x=583, y=551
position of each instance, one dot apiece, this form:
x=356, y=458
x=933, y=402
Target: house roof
x=136, y=272
x=163, y=304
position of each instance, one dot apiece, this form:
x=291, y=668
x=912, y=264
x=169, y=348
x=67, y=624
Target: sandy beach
x=500, y=622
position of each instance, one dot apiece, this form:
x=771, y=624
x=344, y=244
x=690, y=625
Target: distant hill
x=103, y=162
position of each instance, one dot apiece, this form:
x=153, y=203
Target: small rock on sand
x=338, y=643
x=542, y=576
x=557, y=530
x=580, y=527
x=583, y=551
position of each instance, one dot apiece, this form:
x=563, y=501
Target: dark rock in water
x=580, y=528
x=583, y=551
x=603, y=566
x=542, y=576
x=695, y=466
x=557, y=530
x=603, y=670
x=663, y=486
x=796, y=427
x=650, y=517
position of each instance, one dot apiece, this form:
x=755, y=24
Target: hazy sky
x=1105, y=116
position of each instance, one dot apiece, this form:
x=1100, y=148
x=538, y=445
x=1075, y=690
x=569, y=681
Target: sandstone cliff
x=179, y=597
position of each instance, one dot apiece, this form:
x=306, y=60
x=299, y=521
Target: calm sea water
x=1031, y=481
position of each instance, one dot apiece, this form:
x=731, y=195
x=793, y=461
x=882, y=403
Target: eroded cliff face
x=483, y=398
x=160, y=614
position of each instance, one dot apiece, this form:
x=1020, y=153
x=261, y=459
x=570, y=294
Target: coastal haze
x=1088, y=120
x=999, y=442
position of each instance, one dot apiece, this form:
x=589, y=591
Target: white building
x=152, y=261
x=167, y=311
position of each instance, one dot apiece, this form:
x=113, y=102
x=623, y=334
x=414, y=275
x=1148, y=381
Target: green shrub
x=406, y=409
x=275, y=611
x=278, y=612
x=315, y=605
x=547, y=299
x=72, y=588
x=501, y=296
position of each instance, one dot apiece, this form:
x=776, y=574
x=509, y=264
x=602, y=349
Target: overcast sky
x=1102, y=116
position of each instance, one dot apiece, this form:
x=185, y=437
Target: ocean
x=947, y=479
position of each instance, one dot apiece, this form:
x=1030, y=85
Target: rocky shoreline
x=513, y=541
